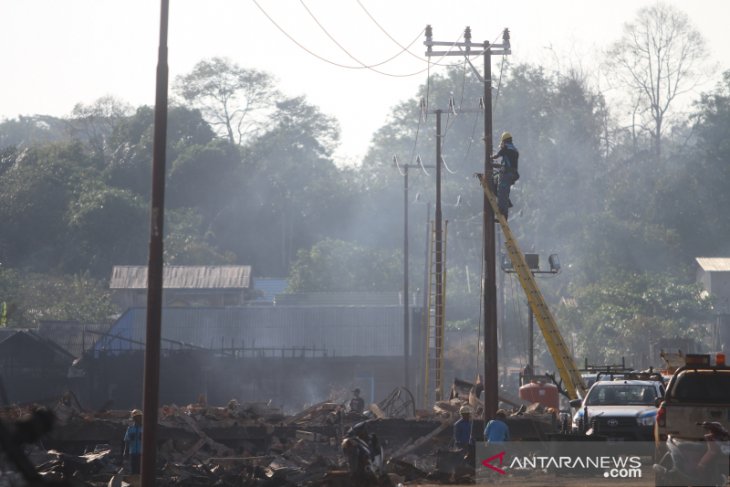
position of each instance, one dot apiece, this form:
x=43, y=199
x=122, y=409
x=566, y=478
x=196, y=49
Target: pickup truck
x=621, y=409
x=699, y=391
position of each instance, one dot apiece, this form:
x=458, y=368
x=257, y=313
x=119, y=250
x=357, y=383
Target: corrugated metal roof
x=72, y=336
x=184, y=277
x=341, y=330
x=714, y=264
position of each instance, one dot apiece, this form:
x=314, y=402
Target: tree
x=336, y=265
x=205, y=177
x=35, y=192
x=93, y=124
x=105, y=227
x=32, y=297
x=130, y=164
x=659, y=57
x=31, y=130
x=615, y=311
x=292, y=194
x=229, y=96
x=187, y=242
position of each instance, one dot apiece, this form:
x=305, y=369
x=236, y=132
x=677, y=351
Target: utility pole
x=491, y=363
x=406, y=298
x=151, y=394
x=439, y=257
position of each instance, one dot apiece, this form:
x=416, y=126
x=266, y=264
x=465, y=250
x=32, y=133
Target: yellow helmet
x=464, y=410
x=505, y=136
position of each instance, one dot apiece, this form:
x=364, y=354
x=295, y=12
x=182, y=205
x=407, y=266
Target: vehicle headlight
x=646, y=420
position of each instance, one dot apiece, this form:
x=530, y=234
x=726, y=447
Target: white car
x=619, y=409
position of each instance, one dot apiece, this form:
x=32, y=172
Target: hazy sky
x=56, y=53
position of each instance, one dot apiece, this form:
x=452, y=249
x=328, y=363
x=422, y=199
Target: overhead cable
x=362, y=64
x=340, y=65
x=395, y=41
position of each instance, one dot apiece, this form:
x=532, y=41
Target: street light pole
x=533, y=261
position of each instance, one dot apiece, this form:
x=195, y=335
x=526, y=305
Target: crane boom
x=567, y=368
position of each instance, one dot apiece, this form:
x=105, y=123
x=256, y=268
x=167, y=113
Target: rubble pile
x=255, y=444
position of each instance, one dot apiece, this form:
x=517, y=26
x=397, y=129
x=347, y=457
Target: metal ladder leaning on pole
x=567, y=367
x=434, y=336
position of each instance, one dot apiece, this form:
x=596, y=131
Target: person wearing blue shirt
x=462, y=429
x=497, y=430
x=508, y=174
x=133, y=441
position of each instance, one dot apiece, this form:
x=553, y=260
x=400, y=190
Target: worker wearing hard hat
x=133, y=441
x=462, y=429
x=507, y=175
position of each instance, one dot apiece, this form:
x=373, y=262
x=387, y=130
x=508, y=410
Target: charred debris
x=250, y=444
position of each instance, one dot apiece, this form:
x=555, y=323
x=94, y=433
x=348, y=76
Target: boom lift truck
x=569, y=373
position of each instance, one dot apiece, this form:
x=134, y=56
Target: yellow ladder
x=434, y=321
x=567, y=367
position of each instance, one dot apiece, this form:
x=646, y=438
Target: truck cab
x=698, y=391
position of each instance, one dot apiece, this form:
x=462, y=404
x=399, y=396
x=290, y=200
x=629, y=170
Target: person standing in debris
x=507, y=175
x=364, y=454
x=497, y=430
x=357, y=403
x=462, y=429
x=133, y=441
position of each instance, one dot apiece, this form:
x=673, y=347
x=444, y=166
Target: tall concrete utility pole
x=491, y=363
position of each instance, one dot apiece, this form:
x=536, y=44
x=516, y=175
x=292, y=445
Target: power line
x=366, y=66
x=340, y=65
x=395, y=41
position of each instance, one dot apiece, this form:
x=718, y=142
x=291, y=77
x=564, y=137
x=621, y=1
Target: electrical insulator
x=505, y=38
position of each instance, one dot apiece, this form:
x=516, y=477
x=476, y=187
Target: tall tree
x=621, y=306
x=94, y=123
x=131, y=145
x=292, y=194
x=35, y=193
x=336, y=265
x=659, y=57
x=33, y=129
x=230, y=97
